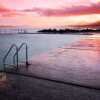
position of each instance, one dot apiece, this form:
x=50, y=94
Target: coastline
x=70, y=31
x=81, y=31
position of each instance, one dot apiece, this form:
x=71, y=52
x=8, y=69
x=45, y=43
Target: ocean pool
x=37, y=44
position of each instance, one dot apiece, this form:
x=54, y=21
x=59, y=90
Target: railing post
x=8, y=53
x=17, y=55
x=26, y=56
x=17, y=60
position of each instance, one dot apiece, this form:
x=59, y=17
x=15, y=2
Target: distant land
x=69, y=31
x=7, y=29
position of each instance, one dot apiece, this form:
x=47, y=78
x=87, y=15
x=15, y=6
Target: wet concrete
x=17, y=87
x=78, y=63
x=72, y=66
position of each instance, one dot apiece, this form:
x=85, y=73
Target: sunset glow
x=49, y=13
x=95, y=1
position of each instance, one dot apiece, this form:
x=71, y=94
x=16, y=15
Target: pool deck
x=76, y=65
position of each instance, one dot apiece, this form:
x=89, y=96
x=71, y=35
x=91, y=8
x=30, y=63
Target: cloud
x=67, y=11
x=3, y=9
x=97, y=23
x=53, y=12
x=6, y=12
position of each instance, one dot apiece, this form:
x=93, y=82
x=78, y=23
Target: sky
x=49, y=13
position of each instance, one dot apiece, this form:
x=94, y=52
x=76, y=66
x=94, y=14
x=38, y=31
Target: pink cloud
x=53, y=12
x=67, y=11
x=3, y=9
x=6, y=12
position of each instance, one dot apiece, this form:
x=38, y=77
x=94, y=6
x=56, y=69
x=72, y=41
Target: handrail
x=9, y=52
x=26, y=54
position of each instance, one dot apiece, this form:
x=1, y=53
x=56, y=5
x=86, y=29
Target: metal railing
x=4, y=60
x=15, y=61
x=24, y=44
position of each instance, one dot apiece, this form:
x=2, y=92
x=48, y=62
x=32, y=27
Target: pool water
x=37, y=44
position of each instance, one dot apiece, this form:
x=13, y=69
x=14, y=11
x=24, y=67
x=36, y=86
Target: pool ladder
x=15, y=63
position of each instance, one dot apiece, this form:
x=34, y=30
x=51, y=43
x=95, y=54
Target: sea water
x=37, y=44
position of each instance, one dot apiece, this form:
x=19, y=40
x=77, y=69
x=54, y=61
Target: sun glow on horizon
x=95, y=1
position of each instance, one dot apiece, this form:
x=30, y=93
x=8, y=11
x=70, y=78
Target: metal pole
x=26, y=56
x=8, y=53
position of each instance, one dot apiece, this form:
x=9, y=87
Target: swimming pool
x=37, y=44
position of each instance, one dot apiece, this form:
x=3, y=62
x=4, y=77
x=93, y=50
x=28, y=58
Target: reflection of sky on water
x=91, y=48
x=95, y=36
x=37, y=43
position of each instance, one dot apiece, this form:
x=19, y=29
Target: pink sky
x=48, y=13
